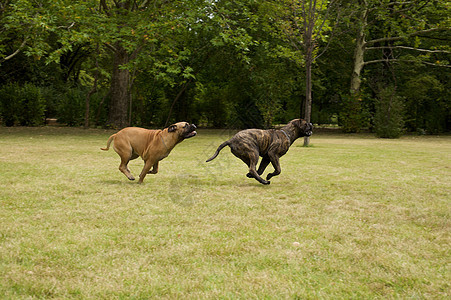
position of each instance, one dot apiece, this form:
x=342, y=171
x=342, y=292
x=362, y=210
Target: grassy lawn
x=350, y=217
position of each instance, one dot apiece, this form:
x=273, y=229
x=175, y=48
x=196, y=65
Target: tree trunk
x=359, y=62
x=119, y=90
x=359, y=53
x=308, y=91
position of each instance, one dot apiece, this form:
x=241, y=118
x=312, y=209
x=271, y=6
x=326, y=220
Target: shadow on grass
x=117, y=182
x=197, y=183
x=189, y=189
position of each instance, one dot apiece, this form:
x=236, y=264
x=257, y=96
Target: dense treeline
x=377, y=64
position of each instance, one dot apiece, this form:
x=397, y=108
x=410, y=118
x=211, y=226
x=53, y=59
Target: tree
x=404, y=24
x=125, y=28
x=305, y=24
x=390, y=33
x=132, y=32
x=236, y=63
x=259, y=79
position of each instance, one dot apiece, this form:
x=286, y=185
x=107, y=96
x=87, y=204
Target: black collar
x=286, y=134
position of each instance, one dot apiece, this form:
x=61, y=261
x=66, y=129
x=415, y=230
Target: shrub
x=70, y=108
x=353, y=117
x=9, y=104
x=32, y=106
x=388, y=119
x=22, y=105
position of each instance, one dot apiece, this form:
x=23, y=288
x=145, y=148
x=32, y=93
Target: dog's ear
x=298, y=122
x=172, y=128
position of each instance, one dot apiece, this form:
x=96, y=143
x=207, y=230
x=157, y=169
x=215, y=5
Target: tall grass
x=351, y=217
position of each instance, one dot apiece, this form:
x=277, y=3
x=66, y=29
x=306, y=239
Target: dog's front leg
x=147, y=165
x=154, y=169
x=276, y=164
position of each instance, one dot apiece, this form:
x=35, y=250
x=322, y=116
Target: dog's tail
x=111, y=138
x=226, y=143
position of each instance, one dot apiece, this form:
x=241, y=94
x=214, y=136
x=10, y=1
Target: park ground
x=351, y=216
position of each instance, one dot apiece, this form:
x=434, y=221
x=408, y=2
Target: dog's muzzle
x=309, y=129
x=190, y=132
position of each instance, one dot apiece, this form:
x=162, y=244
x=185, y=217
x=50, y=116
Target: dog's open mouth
x=192, y=132
x=309, y=130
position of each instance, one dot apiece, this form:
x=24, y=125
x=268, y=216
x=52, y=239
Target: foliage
x=25, y=27
x=226, y=63
x=427, y=101
x=393, y=33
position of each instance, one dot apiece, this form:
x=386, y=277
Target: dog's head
x=183, y=129
x=303, y=128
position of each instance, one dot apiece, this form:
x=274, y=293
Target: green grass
x=371, y=218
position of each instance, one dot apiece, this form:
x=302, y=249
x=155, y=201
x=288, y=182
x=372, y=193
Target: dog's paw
x=267, y=182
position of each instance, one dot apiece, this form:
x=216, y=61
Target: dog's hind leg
x=250, y=158
x=126, y=154
x=263, y=164
x=123, y=167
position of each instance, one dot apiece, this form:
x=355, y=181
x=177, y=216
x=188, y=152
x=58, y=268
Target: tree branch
x=397, y=38
x=136, y=52
x=15, y=52
x=331, y=36
x=105, y=7
x=67, y=27
x=405, y=60
x=409, y=48
x=110, y=47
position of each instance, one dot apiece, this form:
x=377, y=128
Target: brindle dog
x=270, y=144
